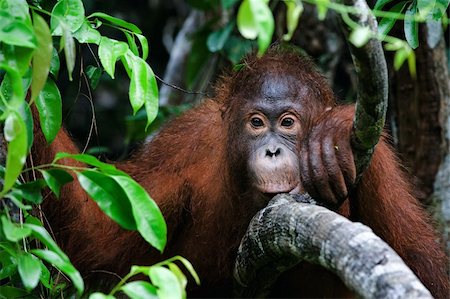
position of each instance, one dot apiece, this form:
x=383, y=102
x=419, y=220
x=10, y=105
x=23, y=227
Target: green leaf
x=425, y=7
x=411, y=26
x=68, y=43
x=143, y=87
x=98, y=295
x=166, y=282
x=87, y=159
x=386, y=24
x=439, y=9
x=294, y=10
x=434, y=33
x=42, y=55
x=226, y=4
x=13, y=232
x=360, y=36
x=412, y=64
x=93, y=73
x=109, y=51
x=49, y=105
x=131, y=43
x=29, y=270
x=12, y=292
x=400, y=56
x=322, y=8
x=30, y=191
x=67, y=13
x=54, y=64
x=149, y=220
x=16, y=134
x=237, y=48
x=42, y=235
x=182, y=280
x=87, y=34
x=255, y=19
x=139, y=289
x=55, y=179
x=17, y=58
x=45, y=276
x=217, y=39
x=381, y=3
x=189, y=267
x=109, y=196
x=15, y=31
x=63, y=265
x=144, y=45
x=116, y=21
x=25, y=114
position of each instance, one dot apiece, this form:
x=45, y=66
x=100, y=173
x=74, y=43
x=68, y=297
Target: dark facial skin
x=272, y=126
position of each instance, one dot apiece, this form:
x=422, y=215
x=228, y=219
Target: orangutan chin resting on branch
x=272, y=127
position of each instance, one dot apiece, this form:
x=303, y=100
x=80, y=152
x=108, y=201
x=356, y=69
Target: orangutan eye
x=287, y=122
x=257, y=122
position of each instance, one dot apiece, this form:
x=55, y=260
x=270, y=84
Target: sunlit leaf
x=149, y=220
x=144, y=45
x=13, y=232
x=116, y=21
x=68, y=42
x=166, y=283
x=386, y=24
x=63, y=265
x=322, y=8
x=67, y=12
x=54, y=63
x=131, y=43
x=182, y=280
x=49, y=105
x=42, y=55
x=381, y=3
x=411, y=26
x=16, y=134
x=255, y=19
x=16, y=32
x=360, y=36
x=88, y=159
x=87, y=34
x=109, y=51
x=143, y=87
x=294, y=10
x=55, y=179
x=98, y=295
x=29, y=270
x=139, y=290
x=109, y=196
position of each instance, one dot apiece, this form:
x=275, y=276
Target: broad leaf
x=29, y=269
x=13, y=232
x=166, y=282
x=411, y=26
x=68, y=43
x=54, y=63
x=139, y=289
x=144, y=45
x=109, y=196
x=116, y=21
x=217, y=39
x=87, y=159
x=149, y=220
x=49, y=105
x=42, y=55
x=109, y=51
x=55, y=179
x=63, y=265
x=294, y=10
x=143, y=87
x=93, y=73
x=16, y=134
x=87, y=34
x=67, y=12
x=386, y=24
x=16, y=32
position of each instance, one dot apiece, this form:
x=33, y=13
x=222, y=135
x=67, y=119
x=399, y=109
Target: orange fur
x=191, y=171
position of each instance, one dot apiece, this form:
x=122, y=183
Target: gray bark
x=287, y=232
x=372, y=99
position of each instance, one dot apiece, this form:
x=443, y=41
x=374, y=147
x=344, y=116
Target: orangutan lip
x=272, y=189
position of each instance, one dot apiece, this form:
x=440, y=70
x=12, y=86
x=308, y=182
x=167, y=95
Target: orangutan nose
x=273, y=152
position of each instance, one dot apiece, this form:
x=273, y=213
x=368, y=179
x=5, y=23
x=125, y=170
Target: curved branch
x=287, y=232
x=371, y=103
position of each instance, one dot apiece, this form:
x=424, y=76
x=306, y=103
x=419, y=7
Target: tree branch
x=371, y=103
x=288, y=232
